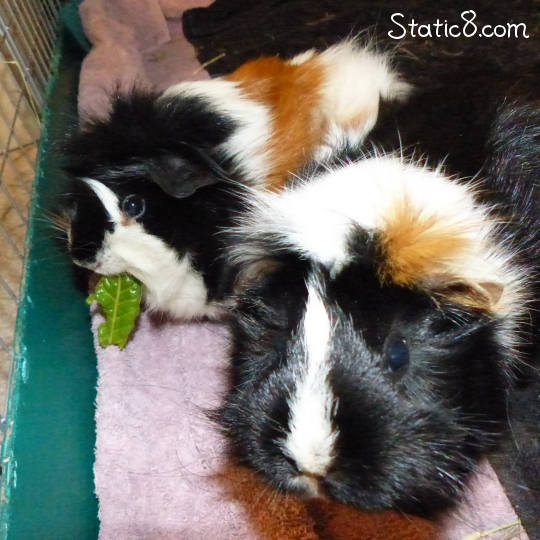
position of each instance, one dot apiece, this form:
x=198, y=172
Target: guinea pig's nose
x=312, y=485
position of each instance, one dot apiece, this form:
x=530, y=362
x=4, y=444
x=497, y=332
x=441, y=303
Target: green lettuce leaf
x=120, y=299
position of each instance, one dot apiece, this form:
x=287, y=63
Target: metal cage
x=27, y=36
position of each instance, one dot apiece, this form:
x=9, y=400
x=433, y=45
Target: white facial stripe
x=316, y=329
x=107, y=197
x=312, y=436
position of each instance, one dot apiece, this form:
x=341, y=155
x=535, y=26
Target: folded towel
x=133, y=45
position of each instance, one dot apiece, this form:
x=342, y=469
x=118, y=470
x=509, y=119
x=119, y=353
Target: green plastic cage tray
x=47, y=488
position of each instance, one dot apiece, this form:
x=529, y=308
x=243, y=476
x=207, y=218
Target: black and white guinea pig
x=371, y=359
x=156, y=181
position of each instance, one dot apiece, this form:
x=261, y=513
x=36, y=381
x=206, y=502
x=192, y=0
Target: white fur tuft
x=302, y=57
x=356, y=78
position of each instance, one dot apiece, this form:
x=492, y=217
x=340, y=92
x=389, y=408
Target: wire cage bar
x=27, y=36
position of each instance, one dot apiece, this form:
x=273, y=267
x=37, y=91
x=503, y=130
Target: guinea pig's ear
x=182, y=175
x=249, y=274
x=482, y=295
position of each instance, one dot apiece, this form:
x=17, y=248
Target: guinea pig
x=372, y=356
x=155, y=182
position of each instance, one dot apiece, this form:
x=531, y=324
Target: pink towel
x=133, y=44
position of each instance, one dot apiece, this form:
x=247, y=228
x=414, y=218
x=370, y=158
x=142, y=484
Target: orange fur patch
x=420, y=250
x=292, y=93
x=417, y=247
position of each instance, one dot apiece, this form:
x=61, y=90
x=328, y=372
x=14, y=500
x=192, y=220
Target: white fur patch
x=171, y=283
x=356, y=78
x=302, y=57
x=247, y=146
x=312, y=436
x=306, y=485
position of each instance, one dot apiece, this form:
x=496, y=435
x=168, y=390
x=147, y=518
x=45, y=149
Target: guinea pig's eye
x=134, y=206
x=397, y=353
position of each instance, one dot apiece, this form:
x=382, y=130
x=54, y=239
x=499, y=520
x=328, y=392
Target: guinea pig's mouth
x=85, y=255
x=95, y=264
x=308, y=486
x=89, y=265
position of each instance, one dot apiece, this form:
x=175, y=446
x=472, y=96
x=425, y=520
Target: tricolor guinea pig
x=372, y=356
x=155, y=182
